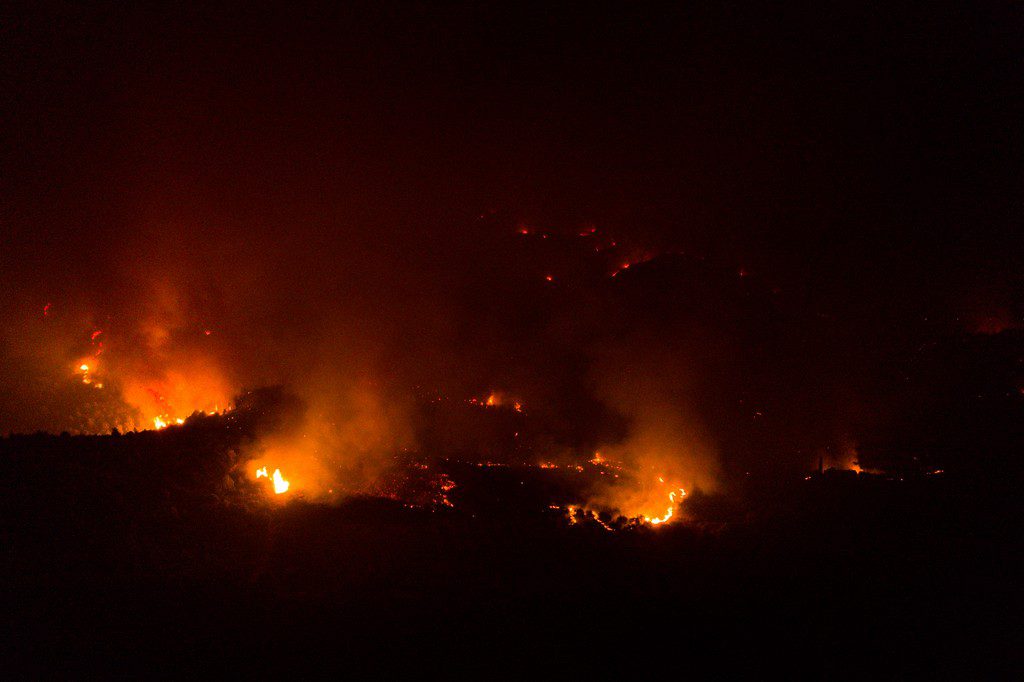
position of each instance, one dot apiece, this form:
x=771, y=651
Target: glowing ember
x=446, y=485
x=497, y=399
x=577, y=514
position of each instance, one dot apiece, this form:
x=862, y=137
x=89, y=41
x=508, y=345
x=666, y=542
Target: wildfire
x=626, y=265
x=672, y=506
x=163, y=421
x=86, y=371
x=280, y=484
x=497, y=399
x=446, y=485
x=630, y=514
x=154, y=381
x=578, y=514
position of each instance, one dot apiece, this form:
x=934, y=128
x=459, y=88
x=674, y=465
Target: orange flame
x=669, y=512
x=280, y=484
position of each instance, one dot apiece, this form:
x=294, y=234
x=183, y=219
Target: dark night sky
x=300, y=169
x=881, y=145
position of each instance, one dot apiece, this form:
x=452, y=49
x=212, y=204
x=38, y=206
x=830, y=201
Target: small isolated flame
x=158, y=423
x=87, y=378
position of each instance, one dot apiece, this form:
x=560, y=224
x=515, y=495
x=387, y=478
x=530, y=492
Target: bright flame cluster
x=280, y=484
x=163, y=421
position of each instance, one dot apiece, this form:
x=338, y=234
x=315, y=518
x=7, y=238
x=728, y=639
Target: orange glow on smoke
x=643, y=498
x=87, y=373
x=156, y=371
x=654, y=503
x=667, y=516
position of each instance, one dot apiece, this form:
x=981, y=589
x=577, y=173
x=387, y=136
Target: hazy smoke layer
x=687, y=252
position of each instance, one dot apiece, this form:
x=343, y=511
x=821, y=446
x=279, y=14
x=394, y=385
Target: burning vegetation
x=619, y=386
x=401, y=324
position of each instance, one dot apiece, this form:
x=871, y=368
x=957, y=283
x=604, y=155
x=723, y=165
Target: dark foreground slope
x=146, y=554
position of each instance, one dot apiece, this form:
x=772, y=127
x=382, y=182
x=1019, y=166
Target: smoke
x=387, y=336
x=376, y=225
x=666, y=446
